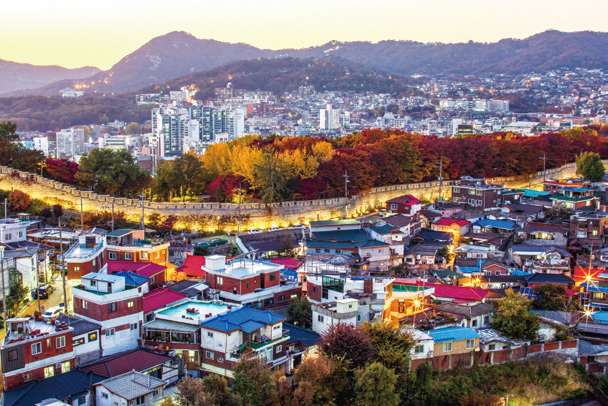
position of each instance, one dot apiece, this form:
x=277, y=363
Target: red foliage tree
x=348, y=341
x=19, y=200
x=61, y=170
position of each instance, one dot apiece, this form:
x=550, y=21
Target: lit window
x=65, y=367
x=219, y=280
x=49, y=372
x=60, y=342
x=36, y=348
x=131, y=304
x=76, y=269
x=143, y=255
x=27, y=377
x=447, y=347
x=84, y=304
x=80, y=341
x=92, y=336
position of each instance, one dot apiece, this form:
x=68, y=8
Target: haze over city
x=73, y=33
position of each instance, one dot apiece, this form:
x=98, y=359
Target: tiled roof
x=79, y=325
x=460, y=293
x=193, y=266
x=386, y=229
x=132, y=279
x=398, y=220
x=160, y=297
x=147, y=269
x=405, y=199
x=123, y=362
x=452, y=334
x=478, y=309
x=132, y=384
x=236, y=319
x=434, y=236
x=290, y=263
x=540, y=278
x=488, y=335
x=448, y=222
x=61, y=387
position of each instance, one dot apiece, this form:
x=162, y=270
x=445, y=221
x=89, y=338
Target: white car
x=255, y=231
x=52, y=312
x=297, y=226
x=275, y=229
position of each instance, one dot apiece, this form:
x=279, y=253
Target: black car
x=217, y=242
x=44, y=291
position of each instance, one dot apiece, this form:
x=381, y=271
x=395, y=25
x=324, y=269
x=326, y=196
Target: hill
x=281, y=75
x=20, y=76
x=178, y=53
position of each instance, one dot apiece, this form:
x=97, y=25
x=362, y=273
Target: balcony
x=251, y=347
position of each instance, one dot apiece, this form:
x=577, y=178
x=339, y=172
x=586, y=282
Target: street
x=52, y=301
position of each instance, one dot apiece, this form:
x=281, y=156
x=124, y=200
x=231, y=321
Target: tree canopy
x=514, y=319
x=590, y=166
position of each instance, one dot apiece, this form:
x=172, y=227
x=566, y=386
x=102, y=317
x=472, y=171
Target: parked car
x=297, y=226
x=52, y=313
x=44, y=291
x=275, y=229
x=217, y=242
x=203, y=244
x=255, y=231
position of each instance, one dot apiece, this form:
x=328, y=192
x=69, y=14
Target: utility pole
x=3, y=293
x=113, y=200
x=346, y=181
x=65, y=296
x=143, y=195
x=38, y=280
x=544, y=158
x=238, y=228
x=5, y=207
x=81, y=214
x=440, y=179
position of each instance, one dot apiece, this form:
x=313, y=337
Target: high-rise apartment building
x=70, y=142
x=329, y=118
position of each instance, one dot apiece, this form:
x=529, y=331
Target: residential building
x=477, y=193
x=408, y=225
x=107, y=300
x=333, y=225
x=130, y=245
x=590, y=227
x=243, y=332
x=456, y=226
x=424, y=345
x=407, y=204
x=539, y=258
x=345, y=311
x=155, y=273
x=131, y=388
x=454, y=345
x=494, y=226
x=576, y=199
x=394, y=237
x=329, y=118
x=544, y=234
x=70, y=142
x=41, y=144
x=370, y=291
x=33, y=349
x=249, y=282
x=13, y=230
x=405, y=298
x=85, y=338
x=86, y=256
x=476, y=315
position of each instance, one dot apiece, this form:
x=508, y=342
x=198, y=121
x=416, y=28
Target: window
x=82, y=400
x=594, y=232
x=320, y=318
x=92, y=336
x=129, y=256
x=492, y=347
x=156, y=392
x=20, y=234
x=27, y=377
x=209, y=334
x=294, y=295
x=12, y=355
x=456, y=190
x=278, y=349
x=7, y=236
x=104, y=395
x=112, y=256
x=471, y=191
x=80, y=341
x=470, y=343
x=358, y=317
x=419, y=349
x=84, y=304
x=36, y=348
x=394, y=207
x=234, y=290
x=133, y=326
x=479, y=202
x=49, y=372
x=486, y=319
x=247, y=285
x=314, y=289
x=76, y=269
x=111, y=307
x=219, y=280
x=220, y=359
x=143, y=255
x=60, y=342
x=455, y=200
x=109, y=332
x=93, y=283
x=497, y=273
x=65, y=367
x=209, y=354
x=94, y=261
x=48, y=343
x=281, y=298
x=131, y=304
x=271, y=277
x=447, y=347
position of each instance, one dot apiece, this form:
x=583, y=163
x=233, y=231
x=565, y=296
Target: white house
x=129, y=389
x=344, y=311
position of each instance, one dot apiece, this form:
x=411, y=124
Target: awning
x=166, y=325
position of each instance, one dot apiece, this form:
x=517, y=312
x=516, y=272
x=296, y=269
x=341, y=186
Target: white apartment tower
x=329, y=118
x=70, y=142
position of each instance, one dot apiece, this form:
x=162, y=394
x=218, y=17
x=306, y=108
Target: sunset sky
x=77, y=33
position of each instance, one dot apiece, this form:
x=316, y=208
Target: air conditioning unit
x=58, y=365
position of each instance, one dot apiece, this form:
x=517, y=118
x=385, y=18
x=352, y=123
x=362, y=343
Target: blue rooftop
x=600, y=317
x=241, y=319
x=132, y=279
x=500, y=224
x=452, y=334
x=535, y=193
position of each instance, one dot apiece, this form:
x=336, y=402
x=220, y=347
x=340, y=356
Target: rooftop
x=499, y=224
x=132, y=384
x=124, y=362
x=406, y=199
x=193, y=266
x=334, y=223
x=441, y=335
x=244, y=319
x=26, y=328
x=199, y=310
x=160, y=297
x=79, y=325
x=147, y=269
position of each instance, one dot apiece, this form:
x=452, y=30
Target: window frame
x=60, y=342
x=37, y=345
x=447, y=346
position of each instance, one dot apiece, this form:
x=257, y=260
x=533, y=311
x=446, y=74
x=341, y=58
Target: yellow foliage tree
x=323, y=151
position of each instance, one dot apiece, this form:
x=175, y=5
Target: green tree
x=253, y=382
x=300, y=312
x=554, y=297
x=376, y=386
x=270, y=176
x=112, y=172
x=133, y=129
x=590, y=166
x=13, y=154
x=215, y=392
x=188, y=175
x=391, y=345
x=513, y=317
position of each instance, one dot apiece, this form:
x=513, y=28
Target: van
x=44, y=291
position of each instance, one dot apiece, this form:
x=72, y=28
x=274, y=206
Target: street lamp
x=218, y=224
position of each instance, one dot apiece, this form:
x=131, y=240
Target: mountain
x=20, y=76
x=286, y=74
x=178, y=53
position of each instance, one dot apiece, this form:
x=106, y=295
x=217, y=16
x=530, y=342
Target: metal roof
x=120, y=232
x=452, y=334
x=132, y=384
x=166, y=325
x=238, y=319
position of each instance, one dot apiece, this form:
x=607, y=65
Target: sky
x=74, y=33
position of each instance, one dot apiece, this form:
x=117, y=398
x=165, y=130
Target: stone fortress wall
x=225, y=216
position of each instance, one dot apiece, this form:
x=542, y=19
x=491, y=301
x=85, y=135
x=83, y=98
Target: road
x=52, y=301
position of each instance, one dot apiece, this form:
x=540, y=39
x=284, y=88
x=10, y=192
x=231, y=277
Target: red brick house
x=406, y=204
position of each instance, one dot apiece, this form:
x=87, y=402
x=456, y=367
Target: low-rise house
x=477, y=193
x=85, y=338
x=423, y=254
x=502, y=281
x=407, y=204
x=478, y=252
x=495, y=268
x=404, y=298
x=73, y=388
x=446, y=209
x=87, y=254
x=477, y=315
x=192, y=288
x=131, y=245
x=589, y=228
x=243, y=332
x=155, y=273
x=556, y=185
x=544, y=234
x=492, y=343
x=270, y=243
x=392, y=236
x=540, y=258
x=330, y=288
x=345, y=311
x=131, y=388
x=433, y=237
x=159, y=298
x=453, y=346
x=575, y=199
x=542, y=278
x=530, y=211
x=333, y=225
x=424, y=347
x=456, y=226
x=407, y=225
x=301, y=342
x=33, y=349
x=494, y=226
x=157, y=365
x=192, y=268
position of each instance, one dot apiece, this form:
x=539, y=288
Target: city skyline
x=66, y=36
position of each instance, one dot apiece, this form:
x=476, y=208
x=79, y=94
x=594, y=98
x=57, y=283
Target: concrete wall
x=204, y=216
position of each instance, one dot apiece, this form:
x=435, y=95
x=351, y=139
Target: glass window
x=80, y=341
x=27, y=377
x=76, y=269
x=447, y=347
x=111, y=307
x=209, y=354
x=84, y=304
x=278, y=349
x=419, y=349
x=65, y=367
x=49, y=372
x=131, y=304
x=36, y=348
x=470, y=343
x=129, y=256
x=143, y=255
x=112, y=256
x=60, y=342
x=12, y=355
x=92, y=336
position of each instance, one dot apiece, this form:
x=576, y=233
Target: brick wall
x=100, y=312
x=314, y=292
x=49, y=347
x=14, y=381
x=85, y=267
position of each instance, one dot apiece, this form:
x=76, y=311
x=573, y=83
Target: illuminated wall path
x=204, y=216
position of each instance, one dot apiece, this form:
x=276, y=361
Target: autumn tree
x=253, y=382
x=590, y=166
x=513, y=317
x=133, y=129
x=348, y=341
x=61, y=170
x=270, y=176
x=299, y=312
x=311, y=378
x=391, y=345
x=376, y=386
x=15, y=155
x=189, y=391
x=19, y=200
